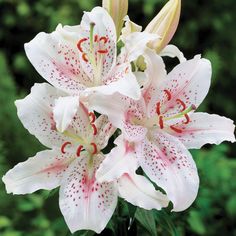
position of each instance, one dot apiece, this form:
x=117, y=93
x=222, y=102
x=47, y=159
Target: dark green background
x=206, y=27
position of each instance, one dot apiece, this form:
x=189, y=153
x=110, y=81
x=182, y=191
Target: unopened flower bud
x=165, y=24
x=118, y=10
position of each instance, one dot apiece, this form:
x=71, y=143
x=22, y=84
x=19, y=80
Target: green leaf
x=147, y=220
x=196, y=223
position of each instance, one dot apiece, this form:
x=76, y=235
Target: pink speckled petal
x=36, y=113
x=188, y=82
x=139, y=191
x=168, y=163
x=104, y=40
x=204, y=128
x=56, y=58
x=119, y=161
x=84, y=203
x=44, y=171
x=105, y=131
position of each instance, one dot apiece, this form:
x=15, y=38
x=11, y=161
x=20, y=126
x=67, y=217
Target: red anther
x=95, y=150
x=168, y=94
x=79, y=44
x=63, y=146
x=105, y=39
x=95, y=131
x=161, y=122
x=187, y=119
x=84, y=57
x=103, y=51
x=93, y=117
x=79, y=149
x=95, y=38
x=176, y=129
x=182, y=104
x=158, y=108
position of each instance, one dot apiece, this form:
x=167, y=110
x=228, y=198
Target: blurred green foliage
x=206, y=27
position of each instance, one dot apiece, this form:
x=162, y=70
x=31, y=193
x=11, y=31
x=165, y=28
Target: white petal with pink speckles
x=168, y=163
x=204, y=128
x=85, y=203
x=139, y=191
x=36, y=113
x=119, y=161
x=188, y=82
x=56, y=58
x=44, y=171
x=172, y=51
x=104, y=28
x=64, y=110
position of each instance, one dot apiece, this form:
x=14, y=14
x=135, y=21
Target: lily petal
x=56, y=58
x=119, y=161
x=64, y=111
x=35, y=112
x=168, y=163
x=85, y=203
x=44, y=171
x=204, y=128
x=172, y=51
x=104, y=27
x=131, y=188
x=122, y=81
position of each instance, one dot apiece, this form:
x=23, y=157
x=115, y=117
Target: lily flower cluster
x=97, y=89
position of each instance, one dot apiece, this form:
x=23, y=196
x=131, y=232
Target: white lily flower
x=82, y=59
x=72, y=163
x=162, y=125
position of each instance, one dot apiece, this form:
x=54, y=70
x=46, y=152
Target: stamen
x=187, y=119
x=182, y=104
x=84, y=57
x=95, y=150
x=158, y=108
x=95, y=38
x=176, y=129
x=63, y=146
x=79, y=149
x=79, y=44
x=168, y=94
x=161, y=123
x=103, y=51
x=104, y=39
x=93, y=117
x=92, y=24
x=95, y=131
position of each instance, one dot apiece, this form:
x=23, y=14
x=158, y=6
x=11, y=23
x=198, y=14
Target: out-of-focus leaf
x=147, y=220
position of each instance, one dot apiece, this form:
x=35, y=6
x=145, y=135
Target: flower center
x=85, y=144
x=183, y=113
x=93, y=50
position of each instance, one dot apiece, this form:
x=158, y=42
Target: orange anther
x=79, y=149
x=93, y=117
x=176, y=129
x=187, y=119
x=84, y=57
x=79, y=44
x=95, y=131
x=158, y=108
x=95, y=38
x=95, y=150
x=168, y=94
x=161, y=122
x=182, y=104
x=103, y=51
x=104, y=39
x=63, y=146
